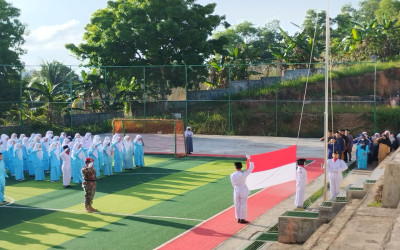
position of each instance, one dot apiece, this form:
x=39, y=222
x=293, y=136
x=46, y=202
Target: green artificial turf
x=205, y=199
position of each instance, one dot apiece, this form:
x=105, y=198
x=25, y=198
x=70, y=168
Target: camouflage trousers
x=90, y=189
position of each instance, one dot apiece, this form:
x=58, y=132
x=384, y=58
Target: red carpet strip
x=224, y=225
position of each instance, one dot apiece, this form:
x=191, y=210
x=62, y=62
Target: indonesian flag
x=272, y=168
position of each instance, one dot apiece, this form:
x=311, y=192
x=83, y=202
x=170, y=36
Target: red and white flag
x=272, y=168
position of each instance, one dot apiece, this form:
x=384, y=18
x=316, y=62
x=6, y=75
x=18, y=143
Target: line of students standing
x=38, y=155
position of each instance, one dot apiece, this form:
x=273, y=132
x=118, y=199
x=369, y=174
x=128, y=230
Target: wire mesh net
x=160, y=135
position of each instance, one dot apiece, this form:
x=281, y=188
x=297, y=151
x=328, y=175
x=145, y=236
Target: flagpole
x=327, y=44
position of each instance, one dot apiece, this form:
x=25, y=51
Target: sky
x=53, y=23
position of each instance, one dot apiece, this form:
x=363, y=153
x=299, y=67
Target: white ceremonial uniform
x=66, y=168
x=335, y=176
x=241, y=191
x=301, y=181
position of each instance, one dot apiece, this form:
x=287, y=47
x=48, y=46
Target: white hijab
x=105, y=144
x=55, y=145
x=188, y=132
x=14, y=136
x=2, y=148
x=127, y=143
x=63, y=135
x=138, y=142
x=25, y=142
x=21, y=137
x=87, y=140
x=46, y=143
x=76, y=148
x=38, y=148
x=10, y=143
x=32, y=137
x=66, y=142
x=116, y=139
x=95, y=152
x=18, y=150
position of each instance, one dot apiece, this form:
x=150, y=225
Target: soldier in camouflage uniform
x=89, y=184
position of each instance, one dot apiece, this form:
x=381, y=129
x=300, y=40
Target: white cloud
x=46, y=32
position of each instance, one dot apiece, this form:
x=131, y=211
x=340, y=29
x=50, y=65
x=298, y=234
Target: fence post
x=20, y=100
x=230, y=125
x=70, y=98
x=276, y=99
x=186, y=94
x=144, y=92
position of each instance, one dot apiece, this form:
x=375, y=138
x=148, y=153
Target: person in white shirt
x=66, y=166
x=241, y=191
x=301, y=182
x=335, y=168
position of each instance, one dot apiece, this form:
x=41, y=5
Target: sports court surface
x=170, y=204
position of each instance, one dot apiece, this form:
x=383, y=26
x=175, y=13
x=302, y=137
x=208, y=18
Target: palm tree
x=50, y=87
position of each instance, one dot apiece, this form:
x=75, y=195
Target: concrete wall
x=235, y=87
x=297, y=73
x=391, y=187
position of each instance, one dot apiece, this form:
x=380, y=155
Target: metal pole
x=276, y=99
x=20, y=100
x=326, y=99
x=70, y=89
x=186, y=93
x=375, y=98
x=229, y=101
x=144, y=92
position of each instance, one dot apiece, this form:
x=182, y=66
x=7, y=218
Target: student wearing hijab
x=301, y=182
x=45, y=148
x=189, y=140
x=384, y=147
x=31, y=168
x=128, y=152
x=63, y=136
x=66, y=166
x=97, y=140
x=77, y=161
x=9, y=161
x=87, y=141
x=55, y=161
x=362, y=153
x=18, y=162
x=118, y=153
x=25, y=146
x=107, y=161
x=138, y=151
x=94, y=153
x=37, y=155
x=3, y=177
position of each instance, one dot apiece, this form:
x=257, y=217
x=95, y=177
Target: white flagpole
x=327, y=45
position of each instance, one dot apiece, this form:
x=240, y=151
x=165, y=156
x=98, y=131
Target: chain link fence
x=262, y=99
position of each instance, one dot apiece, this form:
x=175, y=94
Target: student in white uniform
x=301, y=182
x=241, y=191
x=335, y=168
x=66, y=166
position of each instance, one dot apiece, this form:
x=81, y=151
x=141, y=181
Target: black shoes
x=67, y=186
x=242, y=221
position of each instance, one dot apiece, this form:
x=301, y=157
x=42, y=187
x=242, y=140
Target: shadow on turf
x=21, y=235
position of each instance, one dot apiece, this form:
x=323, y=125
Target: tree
x=11, y=37
x=151, y=32
x=50, y=88
x=245, y=45
x=366, y=12
x=388, y=8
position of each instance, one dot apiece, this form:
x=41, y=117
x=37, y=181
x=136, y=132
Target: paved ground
x=236, y=145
